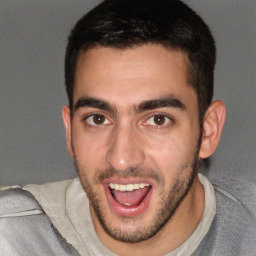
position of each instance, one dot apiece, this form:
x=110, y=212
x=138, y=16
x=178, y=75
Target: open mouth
x=130, y=194
x=128, y=199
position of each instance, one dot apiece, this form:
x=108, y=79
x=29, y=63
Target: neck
x=178, y=229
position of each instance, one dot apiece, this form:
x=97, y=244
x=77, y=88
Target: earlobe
x=213, y=123
x=67, y=124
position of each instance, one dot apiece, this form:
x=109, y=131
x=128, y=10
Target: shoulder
x=18, y=202
x=25, y=228
x=235, y=216
x=233, y=230
x=240, y=193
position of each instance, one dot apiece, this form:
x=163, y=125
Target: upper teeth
x=128, y=187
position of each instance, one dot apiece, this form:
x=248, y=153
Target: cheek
x=171, y=154
x=88, y=149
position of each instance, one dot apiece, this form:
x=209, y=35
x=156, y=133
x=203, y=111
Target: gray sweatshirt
x=54, y=219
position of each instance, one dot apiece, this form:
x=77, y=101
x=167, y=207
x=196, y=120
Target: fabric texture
x=25, y=230
x=54, y=219
x=233, y=231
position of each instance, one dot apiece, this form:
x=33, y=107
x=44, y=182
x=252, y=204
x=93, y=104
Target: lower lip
x=127, y=211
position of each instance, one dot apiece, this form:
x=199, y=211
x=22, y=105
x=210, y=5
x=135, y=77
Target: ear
x=67, y=123
x=213, y=123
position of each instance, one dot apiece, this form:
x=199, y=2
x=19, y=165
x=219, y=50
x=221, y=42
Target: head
x=124, y=24
x=139, y=78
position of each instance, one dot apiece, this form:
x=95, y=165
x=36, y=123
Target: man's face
x=134, y=137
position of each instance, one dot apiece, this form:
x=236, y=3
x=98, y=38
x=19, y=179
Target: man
x=139, y=78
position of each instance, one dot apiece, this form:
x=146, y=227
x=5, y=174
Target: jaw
x=150, y=213
x=122, y=223
x=116, y=222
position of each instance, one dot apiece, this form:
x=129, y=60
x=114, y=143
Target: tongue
x=130, y=197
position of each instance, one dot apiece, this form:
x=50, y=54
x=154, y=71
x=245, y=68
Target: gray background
x=32, y=44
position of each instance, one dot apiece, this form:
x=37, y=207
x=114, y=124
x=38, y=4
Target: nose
x=124, y=150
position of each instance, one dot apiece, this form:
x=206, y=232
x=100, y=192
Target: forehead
x=125, y=77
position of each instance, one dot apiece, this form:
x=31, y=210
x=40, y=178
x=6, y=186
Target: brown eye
x=97, y=119
x=159, y=119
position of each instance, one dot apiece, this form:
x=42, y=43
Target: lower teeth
x=127, y=204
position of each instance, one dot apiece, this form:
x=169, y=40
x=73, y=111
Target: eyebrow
x=166, y=101
x=93, y=103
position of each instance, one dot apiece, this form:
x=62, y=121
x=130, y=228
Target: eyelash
x=167, y=120
x=86, y=118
